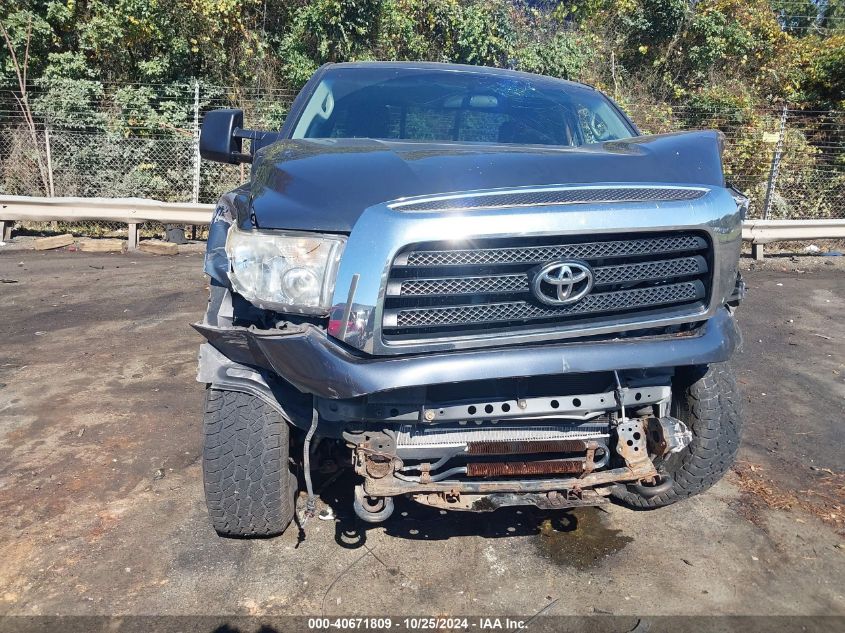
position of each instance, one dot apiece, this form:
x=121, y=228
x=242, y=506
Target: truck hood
x=325, y=184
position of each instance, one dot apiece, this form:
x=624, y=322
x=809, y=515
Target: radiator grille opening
x=436, y=289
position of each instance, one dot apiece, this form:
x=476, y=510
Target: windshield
x=442, y=105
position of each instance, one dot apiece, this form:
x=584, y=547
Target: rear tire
x=707, y=401
x=249, y=489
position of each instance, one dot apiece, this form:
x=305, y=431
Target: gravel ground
x=101, y=501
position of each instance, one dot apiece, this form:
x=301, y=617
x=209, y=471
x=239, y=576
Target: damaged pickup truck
x=479, y=287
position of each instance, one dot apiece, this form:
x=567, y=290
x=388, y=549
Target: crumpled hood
x=325, y=184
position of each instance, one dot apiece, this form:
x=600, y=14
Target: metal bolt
x=429, y=415
x=522, y=404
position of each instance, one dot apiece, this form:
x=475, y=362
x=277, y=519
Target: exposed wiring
x=311, y=502
x=620, y=395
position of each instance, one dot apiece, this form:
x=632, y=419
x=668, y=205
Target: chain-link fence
x=142, y=141
x=789, y=162
x=91, y=140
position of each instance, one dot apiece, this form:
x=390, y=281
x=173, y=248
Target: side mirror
x=218, y=141
x=222, y=135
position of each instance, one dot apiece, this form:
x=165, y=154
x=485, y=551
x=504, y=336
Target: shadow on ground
x=575, y=537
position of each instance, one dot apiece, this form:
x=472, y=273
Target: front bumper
x=306, y=358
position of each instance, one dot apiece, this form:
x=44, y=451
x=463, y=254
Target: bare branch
x=12, y=54
x=23, y=99
x=26, y=50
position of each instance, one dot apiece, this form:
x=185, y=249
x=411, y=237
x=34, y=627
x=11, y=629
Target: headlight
x=289, y=272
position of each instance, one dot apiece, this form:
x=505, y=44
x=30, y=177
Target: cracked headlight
x=284, y=271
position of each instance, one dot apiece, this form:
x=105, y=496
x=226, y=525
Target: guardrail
x=761, y=232
x=134, y=211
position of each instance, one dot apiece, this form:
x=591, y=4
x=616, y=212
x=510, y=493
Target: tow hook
x=371, y=509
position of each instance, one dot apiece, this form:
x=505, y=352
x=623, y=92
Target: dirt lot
x=101, y=506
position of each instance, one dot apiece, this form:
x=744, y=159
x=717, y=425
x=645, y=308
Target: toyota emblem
x=562, y=282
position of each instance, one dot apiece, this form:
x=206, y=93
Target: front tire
x=249, y=489
x=706, y=399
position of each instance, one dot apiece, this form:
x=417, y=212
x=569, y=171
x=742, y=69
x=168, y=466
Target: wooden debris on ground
x=102, y=246
x=54, y=241
x=157, y=247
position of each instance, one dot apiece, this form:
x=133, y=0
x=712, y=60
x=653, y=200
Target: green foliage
x=70, y=104
x=723, y=64
x=714, y=37
x=774, y=50
x=823, y=83
x=68, y=65
x=797, y=16
x=144, y=40
x=477, y=32
x=562, y=55
x=328, y=31
x=483, y=34
x=832, y=18
x=22, y=22
x=652, y=23
x=143, y=109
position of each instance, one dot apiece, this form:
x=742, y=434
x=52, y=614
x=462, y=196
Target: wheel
x=707, y=401
x=249, y=488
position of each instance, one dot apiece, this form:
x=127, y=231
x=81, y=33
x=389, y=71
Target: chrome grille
x=648, y=271
x=568, y=195
x=521, y=310
x=519, y=282
x=538, y=254
x=434, y=290
x=463, y=285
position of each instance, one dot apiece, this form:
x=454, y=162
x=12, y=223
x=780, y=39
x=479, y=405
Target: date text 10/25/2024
x=415, y=624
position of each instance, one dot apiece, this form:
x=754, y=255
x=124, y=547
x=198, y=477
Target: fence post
x=132, y=236
x=51, y=191
x=773, y=173
x=196, y=189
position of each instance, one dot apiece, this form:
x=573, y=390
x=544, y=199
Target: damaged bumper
x=306, y=358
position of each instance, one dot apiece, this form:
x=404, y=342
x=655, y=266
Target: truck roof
x=460, y=68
